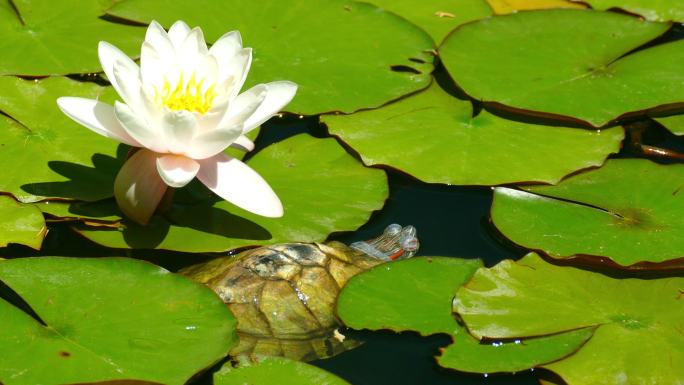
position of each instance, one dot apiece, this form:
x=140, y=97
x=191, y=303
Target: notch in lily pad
x=626, y=214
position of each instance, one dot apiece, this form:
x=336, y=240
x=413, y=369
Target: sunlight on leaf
x=433, y=136
x=119, y=318
x=20, y=223
x=588, y=76
x=369, y=58
x=633, y=318
x=626, y=211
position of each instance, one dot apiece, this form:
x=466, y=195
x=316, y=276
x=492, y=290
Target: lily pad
x=371, y=56
x=20, y=223
x=529, y=62
x=654, y=10
x=633, y=318
x=416, y=294
x=122, y=319
x=58, y=157
x=674, y=123
x=503, y=7
x=43, y=37
x=322, y=187
x=629, y=210
x=437, y=17
x=265, y=372
x=433, y=136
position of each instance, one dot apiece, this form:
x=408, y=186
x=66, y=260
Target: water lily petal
x=128, y=79
x=138, y=128
x=110, y=55
x=237, y=183
x=279, y=94
x=177, y=34
x=97, y=116
x=243, y=143
x=238, y=68
x=210, y=143
x=194, y=44
x=177, y=170
x=244, y=106
x=211, y=119
x=178, y=128
x=226, y=47
x=159, y=40
x=138, y=188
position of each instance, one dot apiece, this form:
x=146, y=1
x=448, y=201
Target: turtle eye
x=408, y=232
x=392, y=229
x=410, y=244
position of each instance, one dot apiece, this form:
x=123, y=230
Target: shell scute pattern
x=284, y=295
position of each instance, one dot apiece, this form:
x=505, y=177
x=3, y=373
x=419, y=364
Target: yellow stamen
x=186, y=96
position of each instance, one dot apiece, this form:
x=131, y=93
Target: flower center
x=187, y=96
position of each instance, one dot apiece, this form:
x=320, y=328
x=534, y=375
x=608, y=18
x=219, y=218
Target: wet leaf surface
x=586, y=76
x=42, y=37
x=633, y=318
x=627, y=211
x=416, y=294
x=20, y=223
x=368, y=59
x=433, y=136
x=322, y=187
x=122, y=319
x=287, y=372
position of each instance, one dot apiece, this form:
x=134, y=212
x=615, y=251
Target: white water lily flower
x=183, y=108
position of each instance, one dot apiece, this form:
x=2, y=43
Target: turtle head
x=396, y=242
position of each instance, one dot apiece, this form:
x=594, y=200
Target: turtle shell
x=284, y=295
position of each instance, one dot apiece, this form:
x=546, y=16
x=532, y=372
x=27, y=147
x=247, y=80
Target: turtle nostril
x=392, y=229
x=410, y=244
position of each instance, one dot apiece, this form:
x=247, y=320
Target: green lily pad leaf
x=654, y=10
x=42, y=37
x=20, y=223
x=529, y=62
x=58, y=157
x=433, y=136
x=467, y=354
x=674, y=123
x=629, y=211
x=633, y=318
x=80, y=211
x=322, y=187
x=120, y=318
x=397, y=295
x=265, y=372
x=437, y=17
x=415, y=294
x=369, y=58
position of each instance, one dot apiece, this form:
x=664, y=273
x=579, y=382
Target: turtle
x=283, y=296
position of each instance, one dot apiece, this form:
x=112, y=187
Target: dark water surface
x=451, y=221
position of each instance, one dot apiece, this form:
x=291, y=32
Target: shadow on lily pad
x=83, y=182
x=183, y=227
